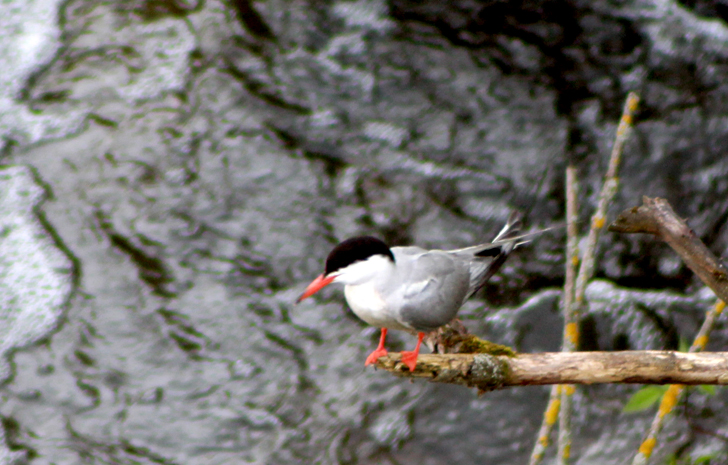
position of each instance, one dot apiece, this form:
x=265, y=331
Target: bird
x=410, y=288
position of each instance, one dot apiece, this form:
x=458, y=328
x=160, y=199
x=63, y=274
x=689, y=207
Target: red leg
x=380, y=351
x=410, y=358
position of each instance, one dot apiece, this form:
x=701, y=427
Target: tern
x=411, y=288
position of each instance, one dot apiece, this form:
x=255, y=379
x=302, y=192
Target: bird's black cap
x=354, y=250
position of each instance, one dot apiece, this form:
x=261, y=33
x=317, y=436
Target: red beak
x=315, y=286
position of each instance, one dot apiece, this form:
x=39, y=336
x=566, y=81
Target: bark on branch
x=657, y=217
x=488, y=372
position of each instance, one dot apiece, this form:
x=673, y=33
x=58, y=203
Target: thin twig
x=611, y=183
x=547, y=425
x=657, y=217
x=570, y=340
x=574, y=293
x=551, y=414
x=571, y=318
x=586, y=270
x=673, y=394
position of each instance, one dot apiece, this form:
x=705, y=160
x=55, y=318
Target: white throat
x=374, y=268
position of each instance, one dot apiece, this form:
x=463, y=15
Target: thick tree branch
x=487, y=372
x=657, y=217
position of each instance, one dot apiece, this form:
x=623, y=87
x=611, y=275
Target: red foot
x=380, y=351
x=410, y=358
x=374, y=356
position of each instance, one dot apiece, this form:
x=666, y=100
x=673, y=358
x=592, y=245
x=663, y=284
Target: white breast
x=367, y=303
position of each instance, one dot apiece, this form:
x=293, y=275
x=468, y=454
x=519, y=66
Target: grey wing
x=436, y=287
x=481, y=268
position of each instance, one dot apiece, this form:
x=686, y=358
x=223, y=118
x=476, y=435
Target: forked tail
x=504, y=243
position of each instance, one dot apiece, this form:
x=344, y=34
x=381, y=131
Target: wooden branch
x=657, y=217
x=487, y=372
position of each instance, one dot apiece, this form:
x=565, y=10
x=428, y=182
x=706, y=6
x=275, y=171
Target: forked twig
x=574, y=293
x=586, y=270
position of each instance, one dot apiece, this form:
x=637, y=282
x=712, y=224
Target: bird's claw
x=374, y=356
x=410, y=359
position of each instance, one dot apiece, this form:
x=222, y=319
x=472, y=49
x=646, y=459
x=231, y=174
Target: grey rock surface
x=203, y=157
x=35, y=275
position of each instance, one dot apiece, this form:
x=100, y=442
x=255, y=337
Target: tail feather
x=511, y=229
x=507, y=239
x=503, y=244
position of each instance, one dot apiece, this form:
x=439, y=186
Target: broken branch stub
x=656, y=216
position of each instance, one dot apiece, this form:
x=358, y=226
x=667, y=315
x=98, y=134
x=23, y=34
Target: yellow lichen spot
x=669, y=400
x=647, y=446
x=552, y=412
x=567, y=451
x=627, y=119
x=598, y=223
x=632, y=101
x=572, y=333
x=569, y=390
x=575, y=260
x=701, y=342
x=543, y=440
x=719, y=306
